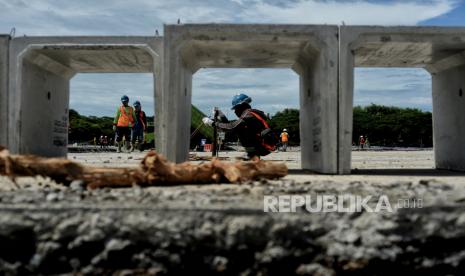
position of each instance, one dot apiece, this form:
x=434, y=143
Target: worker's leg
x=127, y=137
x=119, y=138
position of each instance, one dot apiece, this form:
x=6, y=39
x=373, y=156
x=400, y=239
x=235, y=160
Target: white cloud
x=351, y=12
x=271, y=89
x=99, y=94
x=142, y=17
x=404, y=87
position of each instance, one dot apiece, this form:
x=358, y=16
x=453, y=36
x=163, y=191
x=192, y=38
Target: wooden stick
x=154, y=170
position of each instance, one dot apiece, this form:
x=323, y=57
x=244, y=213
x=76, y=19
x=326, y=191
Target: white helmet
x=284, y=129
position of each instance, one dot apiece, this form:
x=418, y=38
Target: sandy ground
x=368, y=166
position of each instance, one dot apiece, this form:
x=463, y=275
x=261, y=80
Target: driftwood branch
x=154, y=170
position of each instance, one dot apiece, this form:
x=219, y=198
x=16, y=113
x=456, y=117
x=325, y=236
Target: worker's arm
x=144, y=118
x=118, y=113
x=230, y=126
x=134, y=116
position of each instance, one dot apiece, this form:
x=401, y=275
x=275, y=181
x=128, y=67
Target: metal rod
x=215, y=134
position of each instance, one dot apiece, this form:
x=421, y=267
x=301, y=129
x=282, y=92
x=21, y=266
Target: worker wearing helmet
x=140, y=127
x=284, y=139
x=123, y=122
x=248, y=127
x=361, y=141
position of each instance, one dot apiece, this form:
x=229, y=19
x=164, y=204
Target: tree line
x=85, y=128
x=383, y=125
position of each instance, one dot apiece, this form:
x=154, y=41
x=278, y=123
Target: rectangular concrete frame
x=40, y=71
x=4, y=48
x=439, y=50
x=310, y=50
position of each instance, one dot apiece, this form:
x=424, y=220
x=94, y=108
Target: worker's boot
x=128, y=146
x=119, y=146
x=132, y=147
x=136, y=145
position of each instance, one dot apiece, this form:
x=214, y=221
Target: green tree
x=287, y=119
x=393, y=126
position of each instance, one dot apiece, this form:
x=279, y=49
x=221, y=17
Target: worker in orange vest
x=123, y=122
x=284, y=139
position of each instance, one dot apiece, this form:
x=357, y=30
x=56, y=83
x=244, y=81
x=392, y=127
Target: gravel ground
x=46, y=228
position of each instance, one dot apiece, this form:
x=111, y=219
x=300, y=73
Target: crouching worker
x=252, y=129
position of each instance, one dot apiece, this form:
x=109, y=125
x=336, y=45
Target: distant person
x=140, y=127
x=361, y=141
x=95, y=141
x=252, y=129
x=284, y=139
x=100, y=141
x=367, y=142
x=123, y=122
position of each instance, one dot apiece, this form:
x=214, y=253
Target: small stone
x=129, y=157
x=106, y=161
x=313, y=269
x=220, y=263
x=51, y=197
x=77, y=185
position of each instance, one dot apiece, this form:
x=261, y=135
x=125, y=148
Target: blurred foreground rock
x=222, y=229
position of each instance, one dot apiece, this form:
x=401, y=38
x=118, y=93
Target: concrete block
x=39, y=82
x=310, y=50
x=440, y=50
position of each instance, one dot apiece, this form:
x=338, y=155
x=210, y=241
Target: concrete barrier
x=439, y=50
x=40, y=71
x=4, y=43
x=34, y=104
x=310, y=50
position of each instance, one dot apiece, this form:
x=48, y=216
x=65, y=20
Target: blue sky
x=271, y=89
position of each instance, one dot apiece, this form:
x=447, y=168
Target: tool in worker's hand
x=215, y=133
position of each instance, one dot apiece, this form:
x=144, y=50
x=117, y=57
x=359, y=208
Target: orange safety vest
x=267, y=146
x=284, y=137
x=125, y=119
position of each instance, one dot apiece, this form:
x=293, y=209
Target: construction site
x=175, y=211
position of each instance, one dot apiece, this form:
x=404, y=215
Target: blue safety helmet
x=125, y=98
x=240, y=99
x=136, y=103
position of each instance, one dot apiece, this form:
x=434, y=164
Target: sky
x=271, y=89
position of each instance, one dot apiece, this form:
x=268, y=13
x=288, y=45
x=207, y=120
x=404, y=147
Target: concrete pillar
x=44, y=111
x=449, y=118
x=158, y=96
x=175, y=103
x=4, y=50
x=312, y=51
x=318, y=113
x=345, y=100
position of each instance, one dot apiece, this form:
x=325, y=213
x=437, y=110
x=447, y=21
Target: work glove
x=114, y=128
x=207, y=121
